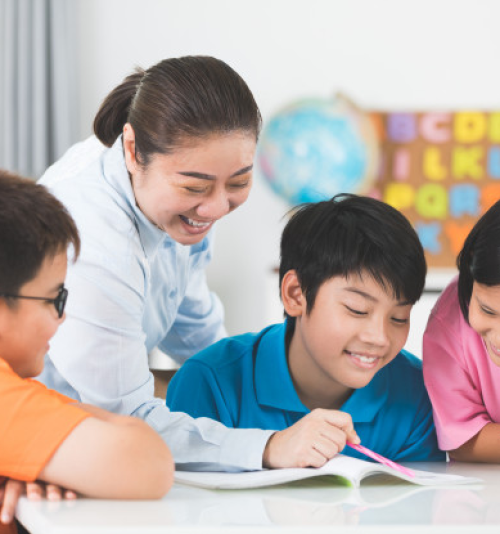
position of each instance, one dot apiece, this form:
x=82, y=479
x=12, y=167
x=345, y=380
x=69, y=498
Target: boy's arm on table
x=105, y=453
x=100, y=458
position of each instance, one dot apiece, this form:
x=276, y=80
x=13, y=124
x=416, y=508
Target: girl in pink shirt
x=461, y=356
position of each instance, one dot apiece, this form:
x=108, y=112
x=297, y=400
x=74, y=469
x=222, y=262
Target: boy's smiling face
x=355, y=328
x=27, y=326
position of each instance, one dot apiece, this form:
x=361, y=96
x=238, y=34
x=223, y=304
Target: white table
x=309, y=507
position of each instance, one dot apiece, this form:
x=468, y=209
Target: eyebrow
x=371, y=298
x=203, y=176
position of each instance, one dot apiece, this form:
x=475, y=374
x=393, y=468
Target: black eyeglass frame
x=59, y=302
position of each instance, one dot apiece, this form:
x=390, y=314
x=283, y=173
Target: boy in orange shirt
x=44, y=435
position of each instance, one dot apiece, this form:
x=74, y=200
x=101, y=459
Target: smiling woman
x=186, y=192
x=173, y=154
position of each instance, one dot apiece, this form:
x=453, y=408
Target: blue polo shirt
x=244, y=382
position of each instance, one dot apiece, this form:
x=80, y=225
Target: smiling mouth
x=364, y=360
x=200, y=225
x=494, y=349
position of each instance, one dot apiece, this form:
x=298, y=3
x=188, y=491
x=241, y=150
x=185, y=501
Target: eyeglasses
x=59, y=302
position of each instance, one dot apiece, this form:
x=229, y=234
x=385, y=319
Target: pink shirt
x=463, y=382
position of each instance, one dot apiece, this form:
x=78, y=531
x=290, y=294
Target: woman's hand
x=11, y=490
x=310, y=442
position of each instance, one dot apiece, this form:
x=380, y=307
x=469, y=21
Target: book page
x=356, y=470
x=343, y=469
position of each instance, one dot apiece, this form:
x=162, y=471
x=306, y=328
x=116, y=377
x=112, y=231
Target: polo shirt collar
x=116, y=174
x=274, y=386
x=273, y=383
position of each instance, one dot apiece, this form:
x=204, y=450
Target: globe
x=316, y=148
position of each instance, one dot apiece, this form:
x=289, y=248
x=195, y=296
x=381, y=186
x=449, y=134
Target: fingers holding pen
x=312, y=441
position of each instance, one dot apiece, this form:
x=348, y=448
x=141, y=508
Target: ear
x=129, y=148
x=294, y=300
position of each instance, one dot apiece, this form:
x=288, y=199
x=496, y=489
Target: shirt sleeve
x=33, y=424
x=100, y=353
x=194, y=390
x=459, y=411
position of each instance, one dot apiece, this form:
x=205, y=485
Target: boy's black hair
x=34, y=226
x=352, y=234
x=479, y=259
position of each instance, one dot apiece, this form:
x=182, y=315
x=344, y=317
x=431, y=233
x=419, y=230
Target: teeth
x=364, y=359
x=196, y=224
x=494, y=348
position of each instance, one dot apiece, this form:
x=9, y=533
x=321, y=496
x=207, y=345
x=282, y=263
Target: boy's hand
x=11, y=490
x=310, y=442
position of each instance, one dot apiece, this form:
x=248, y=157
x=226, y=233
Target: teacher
x=172, y=154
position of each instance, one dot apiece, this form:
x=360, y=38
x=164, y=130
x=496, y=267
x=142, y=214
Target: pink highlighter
x=381, y=459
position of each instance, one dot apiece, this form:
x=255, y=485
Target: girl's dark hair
x=34, y=225
x=479, y=259
x=178, y=99
x=351, y=234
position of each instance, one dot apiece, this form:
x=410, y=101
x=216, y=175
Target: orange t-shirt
x=34, y=421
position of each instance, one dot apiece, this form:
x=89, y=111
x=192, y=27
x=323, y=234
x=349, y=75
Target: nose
x=375, y=333
x=215, y=206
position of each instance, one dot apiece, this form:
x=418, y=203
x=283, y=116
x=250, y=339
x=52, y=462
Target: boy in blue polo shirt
x=351, y=269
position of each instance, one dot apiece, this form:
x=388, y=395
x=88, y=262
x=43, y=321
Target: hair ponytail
x=177, y=99
x=114, y=111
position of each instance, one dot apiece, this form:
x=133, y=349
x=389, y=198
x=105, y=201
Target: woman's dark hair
x=479, y=259
x=34, y=226
x=178, y=99
x=351, y=234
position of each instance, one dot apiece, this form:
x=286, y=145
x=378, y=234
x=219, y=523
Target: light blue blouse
x=132, y=289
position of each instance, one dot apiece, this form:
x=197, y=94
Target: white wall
x=385, y=54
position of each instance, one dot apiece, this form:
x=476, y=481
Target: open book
x=350, y=470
